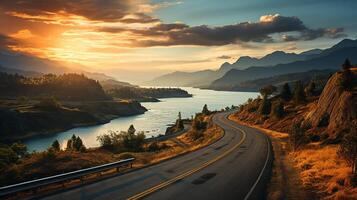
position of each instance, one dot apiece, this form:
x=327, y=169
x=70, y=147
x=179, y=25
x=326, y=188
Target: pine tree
x=179, y=122
x=56, y=145
x=285, y=92
x=277, y=109
x=346, y=65
x=348, y=149
x=267, y=90
x=265, y=106
x=299, y=94
x=19, y=148
x=205, y=110
x=310, y=89
x=297, y=135
x=131, y=129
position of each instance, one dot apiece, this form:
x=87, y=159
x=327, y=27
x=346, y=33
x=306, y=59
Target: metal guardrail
x=28, y=185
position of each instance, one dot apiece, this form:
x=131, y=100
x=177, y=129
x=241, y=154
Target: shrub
x=198, y=123
x=7, y=156
x=49, y=103
x=122, y=141
x=297, y=135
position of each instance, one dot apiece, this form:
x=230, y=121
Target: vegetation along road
x=235, y=167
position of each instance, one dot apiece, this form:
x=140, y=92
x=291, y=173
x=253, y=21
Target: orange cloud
x=23, y=34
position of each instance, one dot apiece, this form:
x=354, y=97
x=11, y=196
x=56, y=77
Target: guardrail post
x=131, y=165
x=118, y=169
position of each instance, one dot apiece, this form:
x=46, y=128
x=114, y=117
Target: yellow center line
x=188, y=173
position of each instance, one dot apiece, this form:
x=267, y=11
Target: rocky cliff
x=336, y=107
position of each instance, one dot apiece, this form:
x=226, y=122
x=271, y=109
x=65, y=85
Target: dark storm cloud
x=181, y=34
x=103, y=10
x=311, y=34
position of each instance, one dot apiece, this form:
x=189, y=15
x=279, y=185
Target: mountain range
x=28, y=65
x=246, y=68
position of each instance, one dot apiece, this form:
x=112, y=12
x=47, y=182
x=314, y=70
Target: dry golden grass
x=323, y=170
x=178, y=146
x=271, y=133
x=318, y=167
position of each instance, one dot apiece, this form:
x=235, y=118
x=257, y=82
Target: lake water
x=154, y=121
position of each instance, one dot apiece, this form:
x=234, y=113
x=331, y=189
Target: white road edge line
x=261, y=172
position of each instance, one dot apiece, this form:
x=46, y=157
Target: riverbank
x=22, y=119
x=48, y=163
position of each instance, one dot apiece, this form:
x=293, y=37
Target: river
x=153, y=122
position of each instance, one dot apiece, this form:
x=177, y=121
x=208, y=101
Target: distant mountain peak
x=345, y=43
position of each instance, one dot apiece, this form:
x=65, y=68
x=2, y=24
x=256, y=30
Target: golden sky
x=107, y=35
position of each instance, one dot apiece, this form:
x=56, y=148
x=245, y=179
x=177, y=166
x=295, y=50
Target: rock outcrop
x=336, y=107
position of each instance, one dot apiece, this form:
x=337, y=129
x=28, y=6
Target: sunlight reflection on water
x=155, y=120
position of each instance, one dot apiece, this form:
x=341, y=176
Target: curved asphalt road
x=235, y=167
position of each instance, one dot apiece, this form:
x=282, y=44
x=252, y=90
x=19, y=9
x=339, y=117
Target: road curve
x=235, y=167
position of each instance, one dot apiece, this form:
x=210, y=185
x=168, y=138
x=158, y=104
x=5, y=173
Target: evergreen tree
x=205, y=110
x=277, y=109
x=297, y=135
x=346, y=65
x=69, y=145
x=348, y=149
x=267, y=90
x=310, y=89
x=75, y=144
x=19, y=148
x=179, y=122
x=299, y=94
x=78, y=144
x=265, y=106
x=131, y=129
x=56, y=145
x=285, y=92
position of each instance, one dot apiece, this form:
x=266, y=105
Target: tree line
x=64, y=87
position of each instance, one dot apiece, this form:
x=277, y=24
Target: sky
x=143, y=39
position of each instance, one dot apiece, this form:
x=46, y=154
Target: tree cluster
x=63, y=87
x=11, y=154
x=75, y=144
x=122, y=141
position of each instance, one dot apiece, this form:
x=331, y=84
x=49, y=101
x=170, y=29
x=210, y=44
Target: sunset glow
x=137, y=35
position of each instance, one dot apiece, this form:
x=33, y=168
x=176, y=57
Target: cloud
x=261, y=31
x=102, y=10
x=23, y=34
x=224, y=57
x=311, y=34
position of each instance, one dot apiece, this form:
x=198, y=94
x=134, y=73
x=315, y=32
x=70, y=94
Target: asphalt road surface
x=235, y=167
